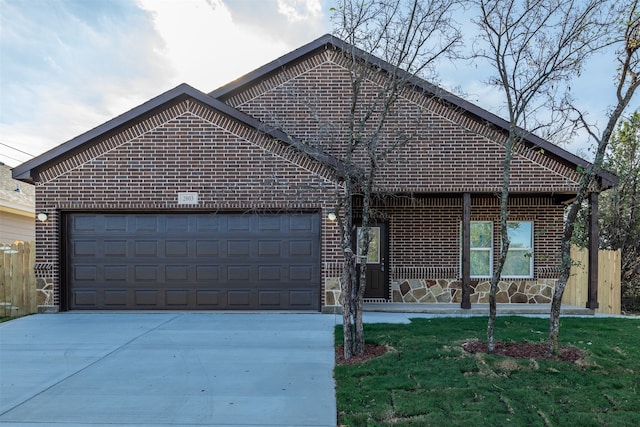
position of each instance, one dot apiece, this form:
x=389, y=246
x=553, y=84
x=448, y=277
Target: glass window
x=481, y=248
x=519, y=262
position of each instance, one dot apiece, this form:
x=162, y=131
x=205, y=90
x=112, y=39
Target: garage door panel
x=270, y=223
x=238, y=273
x=269, y=273
x=208, y=299
x=177, y=273
x=84, y=223
x=207, y=248
x=238, y=248
x=177, y=224
x=300, y=272
x=193, y=261
x=207, y=273
x=115, y=248
x=177, y=298
x=148, y=223
x=239, y=223
x=148, y=273
x=85, y=248
x=116, y=298
x=116, y=273
x=176, y=248
x=300, y=298
x=301, y=223
x=238, y=298
x=270, y=298
x=207, y=223
x=145, y=248
x=115, y=223
x=301, y=248
x=85, y=273
x=270, y=248
x=146, y=298
x=85, y=298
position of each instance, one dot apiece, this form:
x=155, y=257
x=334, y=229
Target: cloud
x=299, y=10
x=212, y=42
x=67, y=66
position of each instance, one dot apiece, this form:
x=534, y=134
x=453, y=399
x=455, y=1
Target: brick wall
x=186, y=148
x=447, y=151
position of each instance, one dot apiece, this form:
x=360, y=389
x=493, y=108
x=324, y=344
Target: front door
x=377, y=260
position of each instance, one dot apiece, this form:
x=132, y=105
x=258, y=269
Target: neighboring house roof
x=328, y=41
x=15, y=196
x=28, y=171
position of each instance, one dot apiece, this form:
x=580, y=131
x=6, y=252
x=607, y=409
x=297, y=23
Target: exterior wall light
x=331, y=216
x=42, y=217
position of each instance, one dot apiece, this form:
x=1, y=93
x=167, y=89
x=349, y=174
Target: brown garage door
x=192, y=261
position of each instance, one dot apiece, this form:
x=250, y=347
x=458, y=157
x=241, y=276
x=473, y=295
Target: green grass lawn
x=428, y=380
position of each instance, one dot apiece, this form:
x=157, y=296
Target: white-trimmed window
x=519, y=262
x=481, y=257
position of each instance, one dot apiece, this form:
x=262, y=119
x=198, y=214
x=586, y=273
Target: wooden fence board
x=608, y=280
x=17, y=279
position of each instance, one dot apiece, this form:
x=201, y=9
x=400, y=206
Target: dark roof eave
x=25, y=171
x=608, y=179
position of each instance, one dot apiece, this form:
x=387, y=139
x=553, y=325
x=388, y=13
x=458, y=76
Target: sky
x=67, y=66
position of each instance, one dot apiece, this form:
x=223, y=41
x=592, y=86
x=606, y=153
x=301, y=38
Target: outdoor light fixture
x=42, y=217
x=332, y=216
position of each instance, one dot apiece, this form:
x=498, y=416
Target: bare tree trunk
x=358, y=347
x=565, y=268
x=358, y=338
x=504, y=243
x=556, y=304
x=348, y=270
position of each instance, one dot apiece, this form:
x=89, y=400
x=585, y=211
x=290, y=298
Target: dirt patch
x=525, y=351
x=371, y=351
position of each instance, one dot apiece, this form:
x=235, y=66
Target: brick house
x=223, y=200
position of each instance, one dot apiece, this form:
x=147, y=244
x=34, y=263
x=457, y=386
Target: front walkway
x=476, y=309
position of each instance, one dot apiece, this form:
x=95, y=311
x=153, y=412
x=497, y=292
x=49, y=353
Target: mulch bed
x=525, y=351
x=371, y=351
x=516, y=350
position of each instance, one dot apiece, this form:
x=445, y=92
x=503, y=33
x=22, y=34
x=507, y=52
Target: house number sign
x=187, y=198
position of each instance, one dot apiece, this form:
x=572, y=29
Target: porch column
x=466, y=251
x=594, y=243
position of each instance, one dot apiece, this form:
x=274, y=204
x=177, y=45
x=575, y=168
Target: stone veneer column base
x=516, y=291
x=447, y=291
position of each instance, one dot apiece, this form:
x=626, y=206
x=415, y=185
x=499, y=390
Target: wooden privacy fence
x=17, y=279
x=608, y=280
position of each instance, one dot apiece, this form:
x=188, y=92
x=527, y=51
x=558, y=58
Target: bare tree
x=409, y=36
x=534, y=48
x=626, y=38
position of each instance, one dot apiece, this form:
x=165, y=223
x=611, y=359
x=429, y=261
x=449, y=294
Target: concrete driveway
x=179, y=369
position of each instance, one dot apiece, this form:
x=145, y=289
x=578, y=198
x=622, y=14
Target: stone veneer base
x=446, y=291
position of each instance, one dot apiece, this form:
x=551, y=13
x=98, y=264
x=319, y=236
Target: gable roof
x=28, y=171
x=328, y=41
